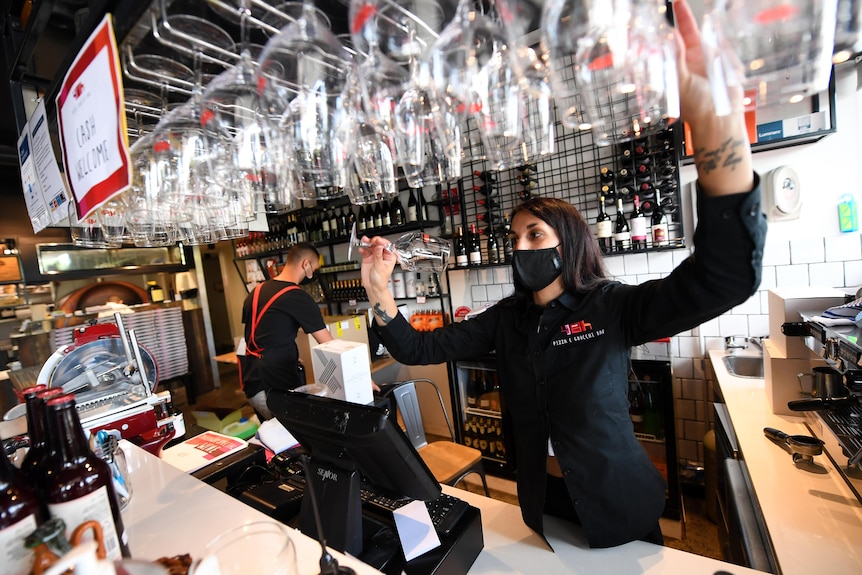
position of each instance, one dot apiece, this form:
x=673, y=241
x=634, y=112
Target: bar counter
x=172, y=513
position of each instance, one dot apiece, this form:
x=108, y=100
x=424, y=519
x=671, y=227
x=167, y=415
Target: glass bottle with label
x=80, y=487
x=19, y=516
x=155, y=292
x=659, y=224
x=622, y=232
x=412, y=209
x=638, y=224
x=493, y=249
x=461, y=258
x=604, y=228
x=475, y=249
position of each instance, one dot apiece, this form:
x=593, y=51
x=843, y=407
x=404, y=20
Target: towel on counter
x=846, y=314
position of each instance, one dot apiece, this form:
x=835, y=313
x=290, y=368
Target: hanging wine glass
x=301, y=79
x=536, y=109
x=244, y=152
x=400, y=28
x=623, y=55
x=416, y=251
x=778, y=50
x=427, y=132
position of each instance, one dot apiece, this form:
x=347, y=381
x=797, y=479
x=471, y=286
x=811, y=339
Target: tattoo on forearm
x=381, y=314
x=725, y=156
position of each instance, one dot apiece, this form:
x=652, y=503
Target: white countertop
x=814, y=520
x=172, y=513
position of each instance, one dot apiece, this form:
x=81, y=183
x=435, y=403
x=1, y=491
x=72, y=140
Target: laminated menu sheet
x=201, y=450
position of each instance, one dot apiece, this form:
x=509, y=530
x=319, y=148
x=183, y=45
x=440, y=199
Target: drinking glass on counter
x=259, y=547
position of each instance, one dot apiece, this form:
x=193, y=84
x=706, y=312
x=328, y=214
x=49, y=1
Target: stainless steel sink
x=744, y=365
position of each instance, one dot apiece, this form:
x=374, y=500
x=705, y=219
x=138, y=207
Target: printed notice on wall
x=92, y=123
x=44, y=190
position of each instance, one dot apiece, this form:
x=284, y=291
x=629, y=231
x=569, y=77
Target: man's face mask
x=308, y=278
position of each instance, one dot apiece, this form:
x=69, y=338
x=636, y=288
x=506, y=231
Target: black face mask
x=534, y=270
x=307, y=280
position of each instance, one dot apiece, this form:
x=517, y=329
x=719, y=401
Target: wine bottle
x=622, y=233
x=412, y=210
x=19, y=516
x=488, y=177
x=507, y=240
x=333, y=223
x=493, y=248
x=378, y=215
x=475, y=249
x=472, y=390
x=636, y=406
x=343, y=230
x=659, y=224
x=486, y=190
x=606, y=175
x=421, y=205
x=461, y=258
x=604, y=228
x=638, y=226
x=351, y=219
x=324, y=225
x=81, y=486
x=396, y=212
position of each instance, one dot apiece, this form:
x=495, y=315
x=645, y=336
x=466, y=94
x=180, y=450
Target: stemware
x=400, y=28
x=778, y=50
x=302, y=75
x=416, y=251
x=615, y=63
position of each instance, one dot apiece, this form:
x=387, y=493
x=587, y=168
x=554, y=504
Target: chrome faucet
x=734, y=342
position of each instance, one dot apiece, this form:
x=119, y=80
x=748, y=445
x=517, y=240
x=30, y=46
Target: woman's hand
x=377, y=264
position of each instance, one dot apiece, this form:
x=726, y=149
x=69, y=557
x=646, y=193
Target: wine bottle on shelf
x=343, y=229
x=622, y=232
x=640, y=148
x=19, y=517
x=462, y=260
x=378, y=215
x=80, y=486
x=475, y=251
x=386, y=207
x=333, y=223
x=493, y=248
x=604, y=229
x=487, y=189
x=636, y=406
x=606, y=175
x=396, y=212
x=638, y=224
x=412, y=210
x=472, y=392
x=609, y=192
x=508, y=250
x=659, y=224
x=489, y=203
x=488, y=177
x=324, y=226
x=421, y=205
x=351, y=219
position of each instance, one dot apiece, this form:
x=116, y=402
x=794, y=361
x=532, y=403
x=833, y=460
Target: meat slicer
x=114, y=380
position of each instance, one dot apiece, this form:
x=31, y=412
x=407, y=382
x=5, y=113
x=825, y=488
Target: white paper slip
x=415, y=529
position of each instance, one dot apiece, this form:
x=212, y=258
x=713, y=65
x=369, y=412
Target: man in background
x=273, y=314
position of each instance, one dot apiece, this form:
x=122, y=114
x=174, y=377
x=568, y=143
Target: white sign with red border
x=92, y=122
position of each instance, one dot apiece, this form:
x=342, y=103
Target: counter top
x=172, y=513
x=814, y=521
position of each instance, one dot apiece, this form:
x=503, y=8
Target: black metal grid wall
x=647, y=167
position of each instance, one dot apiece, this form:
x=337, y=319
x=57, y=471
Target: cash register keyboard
x=445, y=511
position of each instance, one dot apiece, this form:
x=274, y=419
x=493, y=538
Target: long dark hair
x=583, y=266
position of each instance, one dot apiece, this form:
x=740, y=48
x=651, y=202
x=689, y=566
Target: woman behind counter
x=563, y=339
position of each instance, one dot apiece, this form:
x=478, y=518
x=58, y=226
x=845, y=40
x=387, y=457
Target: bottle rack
x=573, y=173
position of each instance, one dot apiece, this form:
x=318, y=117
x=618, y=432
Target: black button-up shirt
x=563, y=369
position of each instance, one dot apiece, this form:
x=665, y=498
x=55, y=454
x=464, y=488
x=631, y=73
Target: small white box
x=343, y=366
x=780, y=377
x=785, y=304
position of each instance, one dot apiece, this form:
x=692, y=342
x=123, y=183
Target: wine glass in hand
x=416, y=251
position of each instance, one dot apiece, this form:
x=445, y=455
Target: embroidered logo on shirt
x=577, y=327
x=578, y=331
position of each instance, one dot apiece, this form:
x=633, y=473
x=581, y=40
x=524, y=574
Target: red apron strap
x=251, y=347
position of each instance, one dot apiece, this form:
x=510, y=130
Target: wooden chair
x=450, y=462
